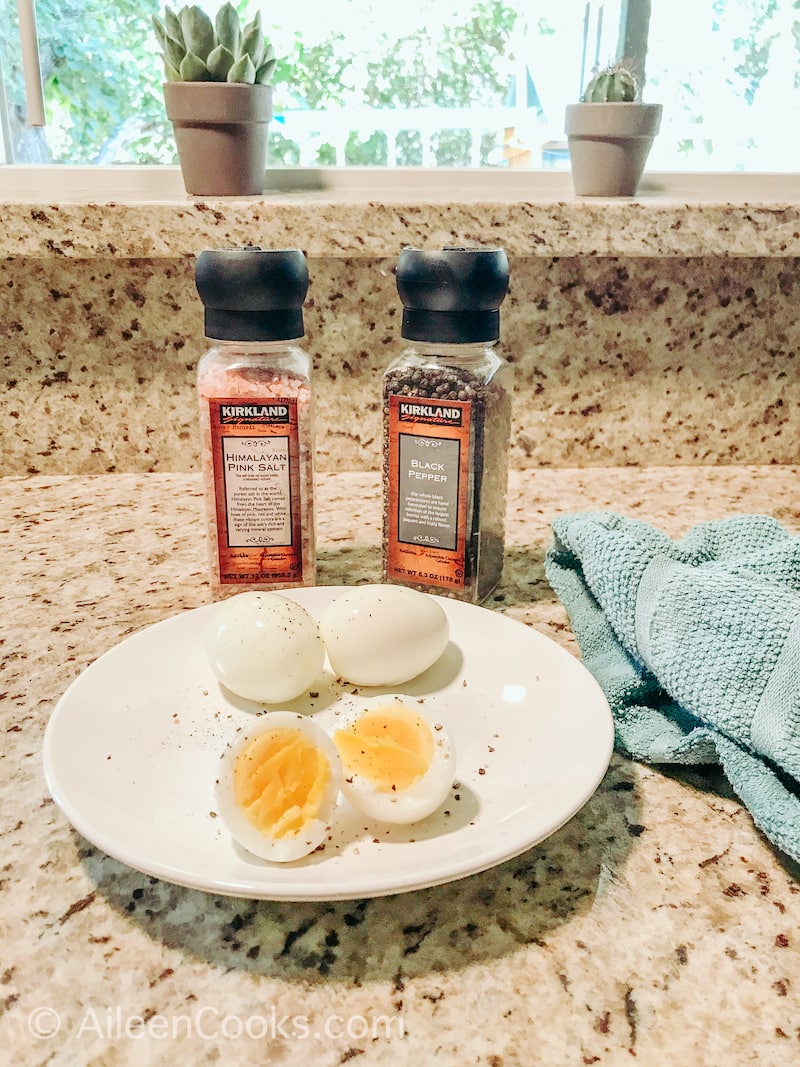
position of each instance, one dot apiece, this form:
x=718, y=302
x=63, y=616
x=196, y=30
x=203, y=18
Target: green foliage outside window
x=103, y=81
x=107, y=103
x=106, y=96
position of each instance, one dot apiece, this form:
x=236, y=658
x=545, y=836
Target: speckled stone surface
x=378, y=225
x=634, y=360
x=656, y=924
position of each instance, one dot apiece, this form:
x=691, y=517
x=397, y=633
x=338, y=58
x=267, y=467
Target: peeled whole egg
x=383, y=634
x=278, y=786
x=397, y=766
x=264, y=646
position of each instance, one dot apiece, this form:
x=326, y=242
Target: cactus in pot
x=610, y=133
x=617, y=84
x=195, y=50
x=219, y=97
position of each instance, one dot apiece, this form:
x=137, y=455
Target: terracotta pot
x=221, y=135
x=609, y=145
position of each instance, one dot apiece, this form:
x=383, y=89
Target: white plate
x=131, y=750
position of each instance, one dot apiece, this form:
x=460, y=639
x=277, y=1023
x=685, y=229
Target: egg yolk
x=279, y=780
x=390, y=747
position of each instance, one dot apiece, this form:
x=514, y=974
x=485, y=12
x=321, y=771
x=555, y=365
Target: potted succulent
x=610, y=133
x=218, y=97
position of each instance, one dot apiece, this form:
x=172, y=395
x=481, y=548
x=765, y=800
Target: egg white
x=383, y=635
x=412, y=803
x=264, y=647
x=287, y=848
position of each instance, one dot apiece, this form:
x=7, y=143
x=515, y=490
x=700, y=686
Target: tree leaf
x=198, y=31
x=243, y=71
x=219, y=63
x=193, y=69
x=229, y=31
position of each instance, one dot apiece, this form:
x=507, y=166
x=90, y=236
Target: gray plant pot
x=609, y=145
x=221, y=134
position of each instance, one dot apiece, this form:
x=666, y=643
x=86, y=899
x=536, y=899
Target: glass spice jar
x=256, y=420
x=447, y=424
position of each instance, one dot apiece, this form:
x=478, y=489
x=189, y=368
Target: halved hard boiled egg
x=264, y=647
x=397, y=765
x=278, y=786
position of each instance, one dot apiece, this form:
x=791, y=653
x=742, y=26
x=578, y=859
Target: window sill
x=144, y=212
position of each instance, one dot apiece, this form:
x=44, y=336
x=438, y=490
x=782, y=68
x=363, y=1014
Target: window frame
x=29, y=183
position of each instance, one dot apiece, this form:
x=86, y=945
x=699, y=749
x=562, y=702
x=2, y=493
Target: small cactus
x=617, y=84
x=196, y=50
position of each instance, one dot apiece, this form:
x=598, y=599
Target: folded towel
x=696, y=644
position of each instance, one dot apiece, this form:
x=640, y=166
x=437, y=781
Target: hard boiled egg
x=383, y=634
x=397, y=766
x=264, y=646
x=278, y=786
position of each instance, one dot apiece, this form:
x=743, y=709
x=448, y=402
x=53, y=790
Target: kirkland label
x=258, y=491
x=427, y=494
x=256, y=460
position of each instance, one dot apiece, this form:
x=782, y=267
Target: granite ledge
x=328, y=226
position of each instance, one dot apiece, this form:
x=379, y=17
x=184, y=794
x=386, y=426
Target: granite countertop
x=656, y=923
x=532, y=214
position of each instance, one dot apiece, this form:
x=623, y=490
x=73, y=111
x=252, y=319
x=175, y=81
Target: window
x=464, y=83
x=730, y=70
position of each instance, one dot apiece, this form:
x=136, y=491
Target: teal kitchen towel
x=696, y=644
